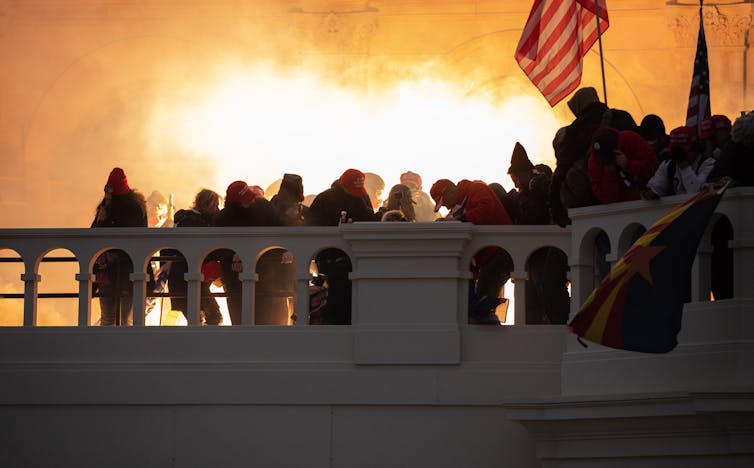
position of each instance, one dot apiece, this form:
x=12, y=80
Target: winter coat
x=113, y=267
x=737, y=162
x=610, y=185
x=129, y=210
x=326, y=208
x=191, y=218
x=570, y=186
x=290, y=210
x=259, y=213
x=480, y=205
x=671, y=179
x=532, y=206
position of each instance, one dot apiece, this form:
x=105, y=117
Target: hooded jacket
x=326, y=208
x=610, y=185
x=480, y=204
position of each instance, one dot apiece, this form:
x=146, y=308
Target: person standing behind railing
x=345, y=201
x=242, y=208
x=474, y=202
x=547, y=299
x=201, y=214
x=120, y=207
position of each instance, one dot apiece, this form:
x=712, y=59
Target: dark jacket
x=259, y=213
x=737, y=162
x=290, y=210
x=573, y=190
x=191, y=218
x=326, y=208
x=532, y=204
x=114, y=266
x=610, y=185
x=129, y=210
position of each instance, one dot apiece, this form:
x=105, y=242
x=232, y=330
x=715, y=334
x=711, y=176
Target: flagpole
x=599, y=38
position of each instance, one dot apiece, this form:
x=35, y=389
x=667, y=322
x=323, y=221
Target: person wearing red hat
x=347, y=194
x=201, y=214
x=346, y=201
x=243, y=207
x=475, y=202
x=686, y=169
x=120, y=207
x=620, y=164
x=716, y=133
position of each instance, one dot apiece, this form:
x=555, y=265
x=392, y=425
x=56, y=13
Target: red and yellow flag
x=638, y=305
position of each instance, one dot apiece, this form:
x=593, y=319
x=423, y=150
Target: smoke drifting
x=187, y=95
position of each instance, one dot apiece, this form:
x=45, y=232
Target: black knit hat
x=519, y=160
x=293, y=184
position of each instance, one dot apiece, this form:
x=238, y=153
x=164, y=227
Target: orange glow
x=258, y=124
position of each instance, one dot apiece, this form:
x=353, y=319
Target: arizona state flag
x=638, y=305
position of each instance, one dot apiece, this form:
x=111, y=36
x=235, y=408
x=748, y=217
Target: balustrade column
x=139, y=297
x=31, y=286
x=193, y=282
x=519, y=294
x=743, y=267
x=582, y=283
x=302, y=300
x=248, y=306
x=85, y=298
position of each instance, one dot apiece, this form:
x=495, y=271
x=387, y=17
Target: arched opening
x=330, y=288
x=721, y=267
x=547, y=297
x=114, y=289
x=57, y=292
x=227, y=288
x=491, y=268
x=274, y=300
x=11, y=289
x=630, y=234
x=166, y=296
x=601, y=248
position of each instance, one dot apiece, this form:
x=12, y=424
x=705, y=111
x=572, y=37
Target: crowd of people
x=603, y=156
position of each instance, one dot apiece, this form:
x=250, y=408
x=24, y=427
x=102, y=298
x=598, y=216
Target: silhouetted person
x=570, y=187
x=686, y=169
x=201, y=214
x=652, y=128
x=475, y=202
x=120, y=207
x=242, y=208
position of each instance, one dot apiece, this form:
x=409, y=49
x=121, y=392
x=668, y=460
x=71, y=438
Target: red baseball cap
x=353, y=181
x=682, y=137
x=713, y=124
x=239, y=192
x=438, y=190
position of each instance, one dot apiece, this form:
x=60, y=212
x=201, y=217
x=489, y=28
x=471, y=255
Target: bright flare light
x=258, y=125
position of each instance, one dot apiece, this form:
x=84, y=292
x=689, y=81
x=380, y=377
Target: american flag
x=557, y=35
x=699, y=102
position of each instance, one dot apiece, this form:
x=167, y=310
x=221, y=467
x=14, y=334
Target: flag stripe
x=698, y=111
x=557, y=35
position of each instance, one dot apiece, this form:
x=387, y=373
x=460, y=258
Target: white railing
x=716, y=338
x=432, y=257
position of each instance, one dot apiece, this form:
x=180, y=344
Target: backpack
x=576, y=190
